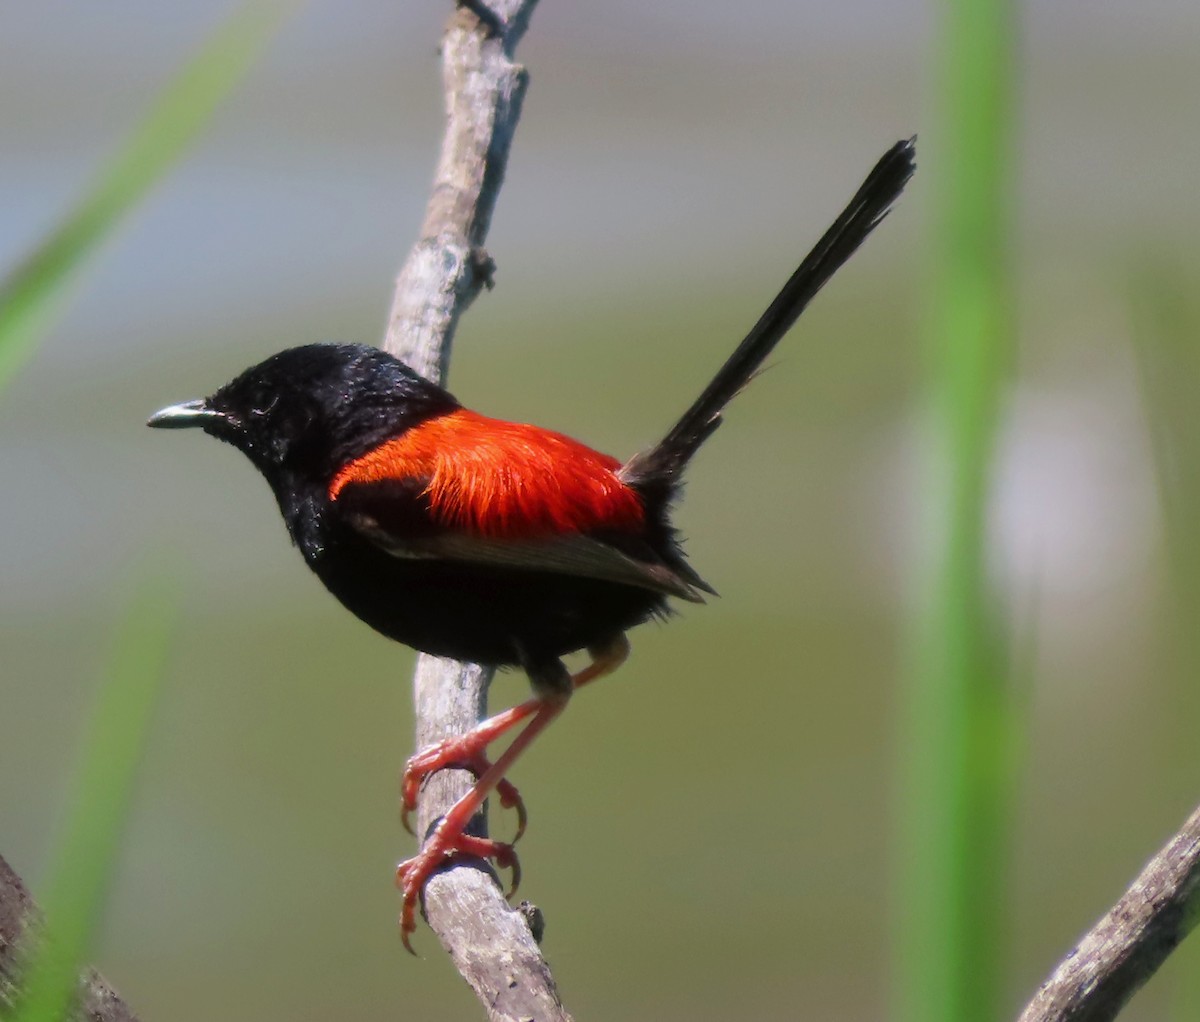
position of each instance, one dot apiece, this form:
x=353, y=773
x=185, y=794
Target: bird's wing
x=463, y=487
x=567, y=554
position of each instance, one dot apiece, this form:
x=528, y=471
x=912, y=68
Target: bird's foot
x=467, y=752
x=449, y=839
x=447, y=843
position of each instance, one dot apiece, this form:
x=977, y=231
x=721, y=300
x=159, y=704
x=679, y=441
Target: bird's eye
x=263, y=410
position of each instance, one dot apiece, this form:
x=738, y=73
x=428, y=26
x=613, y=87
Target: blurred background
x=713, y=830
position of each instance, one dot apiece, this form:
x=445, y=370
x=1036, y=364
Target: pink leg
x=449, y=838
x=468, y=751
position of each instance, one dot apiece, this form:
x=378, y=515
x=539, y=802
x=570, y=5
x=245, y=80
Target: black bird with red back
x=483, y=540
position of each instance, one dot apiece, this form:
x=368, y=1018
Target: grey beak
x=190, y=413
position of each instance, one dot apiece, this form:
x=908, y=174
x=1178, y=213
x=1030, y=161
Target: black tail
x=662, y=464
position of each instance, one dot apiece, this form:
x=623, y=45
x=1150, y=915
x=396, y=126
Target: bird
x=483, y=540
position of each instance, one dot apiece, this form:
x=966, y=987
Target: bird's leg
x=469, y=751
x=449, y=837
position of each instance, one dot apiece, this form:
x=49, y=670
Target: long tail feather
x=871, y=203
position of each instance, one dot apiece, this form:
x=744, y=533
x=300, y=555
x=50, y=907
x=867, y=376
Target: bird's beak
x=190, y=413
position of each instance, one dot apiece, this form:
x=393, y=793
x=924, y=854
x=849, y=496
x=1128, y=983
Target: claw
x=408, y=925
x=446, y=844
x=510, y=798
x=502, y=852
x=514, y=865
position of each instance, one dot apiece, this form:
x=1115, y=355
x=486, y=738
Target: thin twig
x=1125, y=948
x=490, y=943
x=19, y=925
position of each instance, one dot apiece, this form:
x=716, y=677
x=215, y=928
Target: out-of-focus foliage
x=36, y=289
x=959, y=722
x=712, y=829
x=86, y=849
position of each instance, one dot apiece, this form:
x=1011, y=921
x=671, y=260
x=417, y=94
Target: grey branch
x=490, y=943
x=1125, y=948
x=19, y=925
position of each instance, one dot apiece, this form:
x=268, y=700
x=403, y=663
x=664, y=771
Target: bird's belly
x=483, y=614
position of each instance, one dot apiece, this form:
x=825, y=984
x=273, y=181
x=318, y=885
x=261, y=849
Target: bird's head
x=309, y=410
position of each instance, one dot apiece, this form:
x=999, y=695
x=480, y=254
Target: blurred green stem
x=958, y=734
x=86, y=851
x=32, y=293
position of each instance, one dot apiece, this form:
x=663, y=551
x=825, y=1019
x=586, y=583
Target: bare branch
x=448, y=267
x=490, y=943
x=1126, y=947
x=19, y=922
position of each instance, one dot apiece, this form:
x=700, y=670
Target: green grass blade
x=958, y=729
x=103, y=786
x=33, y=292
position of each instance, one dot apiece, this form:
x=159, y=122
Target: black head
x=309, y=410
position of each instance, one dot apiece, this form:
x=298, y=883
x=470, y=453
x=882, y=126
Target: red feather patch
x=501, y=479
